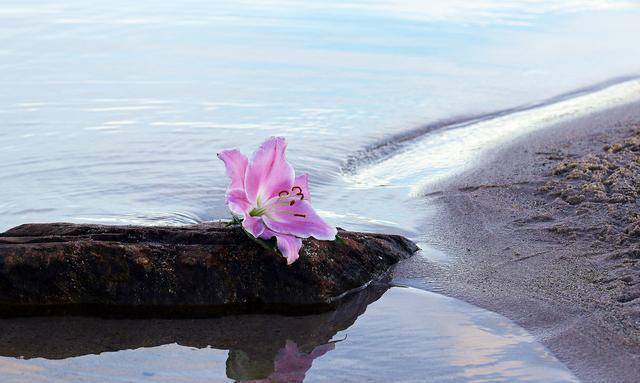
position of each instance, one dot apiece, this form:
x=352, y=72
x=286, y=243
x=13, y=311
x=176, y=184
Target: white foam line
x=444, y=153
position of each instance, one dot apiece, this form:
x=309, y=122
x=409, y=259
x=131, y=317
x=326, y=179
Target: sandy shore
x=547, y=232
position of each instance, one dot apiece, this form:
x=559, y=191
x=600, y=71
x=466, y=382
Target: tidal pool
x=378, y=335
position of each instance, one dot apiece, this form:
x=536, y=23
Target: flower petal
x=253, y=225
x=288, y=245
x=302, y=181
x=236, y=165
x=267, y=233
x=297, y=219
x=268, y=172
x=237, y=201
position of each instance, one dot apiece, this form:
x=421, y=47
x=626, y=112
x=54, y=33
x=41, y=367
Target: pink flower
x=291, y=364
x=272, y=200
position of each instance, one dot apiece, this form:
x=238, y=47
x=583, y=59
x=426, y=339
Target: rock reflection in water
x=407, y=335
x=262, y=348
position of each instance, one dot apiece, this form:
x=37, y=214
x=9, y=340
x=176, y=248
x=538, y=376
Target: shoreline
x=543, y=232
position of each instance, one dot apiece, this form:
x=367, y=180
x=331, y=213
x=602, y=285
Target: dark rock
x=199, y=270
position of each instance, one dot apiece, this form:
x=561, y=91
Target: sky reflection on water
x=406, y=335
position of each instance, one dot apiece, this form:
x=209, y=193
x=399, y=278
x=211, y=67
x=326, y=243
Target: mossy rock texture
x=186, y=271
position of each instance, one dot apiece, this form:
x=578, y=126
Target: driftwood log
x=198, y=270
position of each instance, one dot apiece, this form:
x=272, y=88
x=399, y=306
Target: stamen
x=292, y=202
x=257, y=212
x=300, y=215
x=299, y=193
x=283, y=193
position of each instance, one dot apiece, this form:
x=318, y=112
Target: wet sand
x=546, y=230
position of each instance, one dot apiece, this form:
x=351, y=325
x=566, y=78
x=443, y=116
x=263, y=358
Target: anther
x=283, y=193
x=300, y=215
x=299, y=192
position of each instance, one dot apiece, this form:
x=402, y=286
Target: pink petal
x=297, y=219
x=288, y=245
x=236, y=164
x=267, y=233
x=268, y=172
x=253, y=225
x=237, y=201
x=302, y=181
x=291, y=364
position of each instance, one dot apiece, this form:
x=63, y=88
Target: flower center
x=285, y=198
x=258, y=211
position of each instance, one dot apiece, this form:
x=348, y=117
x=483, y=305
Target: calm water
x=112, y=112
x=449, y=341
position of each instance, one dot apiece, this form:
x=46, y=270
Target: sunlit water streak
x=112, y=113
x=455, y=148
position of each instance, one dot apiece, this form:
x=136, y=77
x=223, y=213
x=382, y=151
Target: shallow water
x=112, y=113
x=448, y=340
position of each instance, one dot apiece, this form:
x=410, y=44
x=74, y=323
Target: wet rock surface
x=198, y=270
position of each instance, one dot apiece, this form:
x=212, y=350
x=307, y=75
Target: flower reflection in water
x=290, y=364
